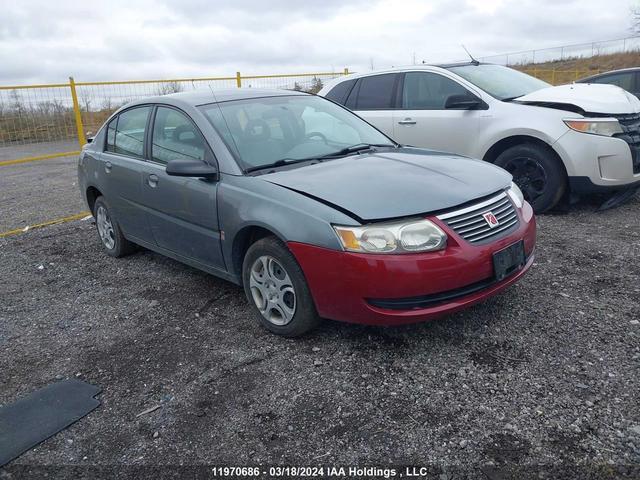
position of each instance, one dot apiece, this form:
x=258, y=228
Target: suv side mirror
x=191, y=168
x=462, y=102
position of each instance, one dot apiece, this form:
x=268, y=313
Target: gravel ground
x=542, y=376
x=35, y=192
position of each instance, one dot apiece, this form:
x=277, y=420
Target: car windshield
x=500, y=82
x=288, y=129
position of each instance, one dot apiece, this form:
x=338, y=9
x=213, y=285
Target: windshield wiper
x=509, y=99
x=358, y=147
x=279, y=163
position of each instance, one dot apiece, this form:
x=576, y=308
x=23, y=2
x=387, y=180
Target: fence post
x=553, y=76
x=238, y=79
x=346, y=70
x=76, y=111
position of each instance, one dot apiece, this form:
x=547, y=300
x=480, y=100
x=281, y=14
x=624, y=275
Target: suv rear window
x=376, y=92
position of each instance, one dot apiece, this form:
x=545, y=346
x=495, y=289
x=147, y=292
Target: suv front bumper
x=597, y=163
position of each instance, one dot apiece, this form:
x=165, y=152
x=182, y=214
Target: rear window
x=376, y=92
x=339, y=93
x=125, y=133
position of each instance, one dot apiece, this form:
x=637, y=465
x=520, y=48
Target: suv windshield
x=289, y=129
x=500, y=82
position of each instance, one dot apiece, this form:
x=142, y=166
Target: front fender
x=291, y=216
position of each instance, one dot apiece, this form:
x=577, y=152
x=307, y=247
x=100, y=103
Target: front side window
x=428, y=91
x=376, y=92
x=623, y=80
x=175, y=137
x=262, y=131
x=500, y=82
x=125, y=133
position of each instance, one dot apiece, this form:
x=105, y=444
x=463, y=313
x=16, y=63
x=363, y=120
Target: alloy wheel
x=272, y=290
x=105, y=228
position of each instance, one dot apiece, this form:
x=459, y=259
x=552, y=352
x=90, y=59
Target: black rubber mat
x=43, y=413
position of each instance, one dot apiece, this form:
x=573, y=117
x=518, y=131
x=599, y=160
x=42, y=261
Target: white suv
x=581, y=138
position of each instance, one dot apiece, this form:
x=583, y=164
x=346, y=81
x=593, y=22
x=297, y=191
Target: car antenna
x=473, y=60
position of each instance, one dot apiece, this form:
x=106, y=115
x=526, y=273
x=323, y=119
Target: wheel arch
x=243, y=239
x=511, y=141
x=91, y=195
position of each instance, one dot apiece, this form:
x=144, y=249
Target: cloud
x=48, y=41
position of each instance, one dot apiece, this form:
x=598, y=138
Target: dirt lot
x=544, y=375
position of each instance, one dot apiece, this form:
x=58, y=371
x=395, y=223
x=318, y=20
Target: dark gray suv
x=311, y=209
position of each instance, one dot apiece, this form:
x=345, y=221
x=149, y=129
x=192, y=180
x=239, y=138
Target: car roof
x=601, y=74
x=204, y=96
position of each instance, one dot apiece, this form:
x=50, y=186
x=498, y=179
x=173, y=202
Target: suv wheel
x=109, y=231
x=538, y=173
x=277, y=290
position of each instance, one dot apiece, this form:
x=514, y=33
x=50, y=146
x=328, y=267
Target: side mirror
x=191, y=168
x=462, y=102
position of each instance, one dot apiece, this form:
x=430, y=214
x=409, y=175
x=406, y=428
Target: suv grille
x=470, y=224
x=631, y=134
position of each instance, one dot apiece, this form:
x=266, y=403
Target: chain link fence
x=50, y=119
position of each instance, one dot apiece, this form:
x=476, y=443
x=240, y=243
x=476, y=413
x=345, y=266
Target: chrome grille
x=470, y=224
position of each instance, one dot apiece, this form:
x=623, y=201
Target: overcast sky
x=47, y=41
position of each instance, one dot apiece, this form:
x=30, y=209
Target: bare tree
x=169, y=87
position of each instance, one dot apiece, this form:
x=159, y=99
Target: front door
x=423, y=121
x=182, y=211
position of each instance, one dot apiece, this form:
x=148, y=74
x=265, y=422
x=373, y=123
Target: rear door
x=423, y=121
x=181, y=211
x=374, y=98
x=122, y=164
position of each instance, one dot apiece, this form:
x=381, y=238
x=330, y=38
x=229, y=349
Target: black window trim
x=209, y=156
x=146, y=131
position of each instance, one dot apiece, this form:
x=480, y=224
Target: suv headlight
x=516, y=195
x=600, y=126
x=398, y=237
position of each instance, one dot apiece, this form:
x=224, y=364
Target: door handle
x=108, y=167
x=407, y=121
x=152, y=180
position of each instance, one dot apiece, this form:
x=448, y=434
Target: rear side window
x=339, y=93
x=623, y=80
x=376, y=92
x=125, y=133
x=428, y=91
x=175, y=137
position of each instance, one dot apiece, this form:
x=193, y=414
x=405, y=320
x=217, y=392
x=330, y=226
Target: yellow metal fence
x=40, y=122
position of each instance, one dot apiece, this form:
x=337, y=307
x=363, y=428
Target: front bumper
x=345, y=285
x=596, y=162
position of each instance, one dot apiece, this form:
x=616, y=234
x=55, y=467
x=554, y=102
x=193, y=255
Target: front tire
x=111, y=237
x=538, y=172
x=277, y=289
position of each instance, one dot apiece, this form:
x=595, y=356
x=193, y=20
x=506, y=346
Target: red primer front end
x=341, y=282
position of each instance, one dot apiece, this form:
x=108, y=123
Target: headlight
x=601, y=126
x=516, y=195
x=398, y=237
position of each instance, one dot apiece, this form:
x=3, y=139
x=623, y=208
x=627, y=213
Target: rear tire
x=277, y=289
x=109, y=232
x=538, y=172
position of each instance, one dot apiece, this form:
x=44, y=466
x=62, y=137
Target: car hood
x=589, y=97
x=394, y=183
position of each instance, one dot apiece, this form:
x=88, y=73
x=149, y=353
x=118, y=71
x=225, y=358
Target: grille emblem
x=491, y=219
